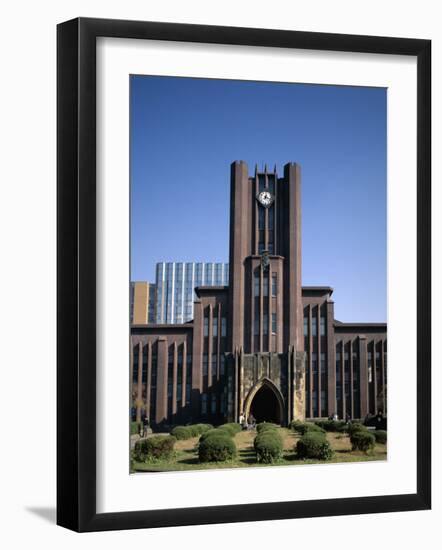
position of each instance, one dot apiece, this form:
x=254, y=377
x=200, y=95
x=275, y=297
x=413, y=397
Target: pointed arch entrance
x=265, y=403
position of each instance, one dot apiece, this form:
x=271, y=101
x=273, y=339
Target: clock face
x=265, y=198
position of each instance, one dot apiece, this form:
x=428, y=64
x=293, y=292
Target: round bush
x=268, y=446
x=362, y=440
x=182, y=432
x=356, y=427
x=198, y=429
x=217, y=448
x=305, y=427
x=157, y=447
x=215, y=432
x=380, y=436
x=232, y=427
x=314, y=445
x=331, y=425
x=266, y=426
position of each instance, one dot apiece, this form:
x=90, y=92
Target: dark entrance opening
x=265, y=406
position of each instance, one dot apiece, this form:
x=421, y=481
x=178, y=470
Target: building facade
x=262, y=344
x=142, y=303
x=176, y=283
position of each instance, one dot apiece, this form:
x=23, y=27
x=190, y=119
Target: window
x=206, y=326
x=314, y=326
x=266, y=284
x=135, y=364
x=204, y=403
x=315, y=362
x=223, y=327
x=305, y=326
x=188, y=377
x=265, y=320
x=256, y=324
x=215, y=327
x=213, y=404
x=153, y=385
x=274, y=284
x=214, y=365
x=370, y=366
x=322, y=326
x=205, y=364
x=222, y=365
x=274, y=323
x=256, y=284
x=323, y=364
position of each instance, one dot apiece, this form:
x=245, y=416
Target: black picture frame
x=76, y=274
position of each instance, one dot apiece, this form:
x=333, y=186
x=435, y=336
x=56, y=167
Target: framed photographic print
x=243, y=274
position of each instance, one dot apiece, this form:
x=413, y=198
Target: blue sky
x=186, y=132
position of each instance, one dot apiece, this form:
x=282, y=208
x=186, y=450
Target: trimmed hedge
x=135, y=428
x=154, y=448
x=268, y=446
x=266, y=426
x=182, y=432
x=380, y=436
x=331, y=425
x=198, y=429
x=232, y=427
x=304, y=427
x=194, y=430
x=217, y=448
x=215, y=432
x=362, y=440
x=314, y=445
x=356, y=427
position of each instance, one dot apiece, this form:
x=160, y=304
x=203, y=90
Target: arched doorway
x=265, y=403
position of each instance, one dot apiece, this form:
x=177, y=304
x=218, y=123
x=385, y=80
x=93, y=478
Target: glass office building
x=176, y=282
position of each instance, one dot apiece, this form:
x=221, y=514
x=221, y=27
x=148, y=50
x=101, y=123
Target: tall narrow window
x=215, y=327
x=322, y=325
x=305, y=326
x=153, y=385
x=223, y=327
x=274, y=284
x=188, y=377
x=204, y=403
x=179, y=384
x=205, y=364
x=213, y=366
x=265, y=320
x=213, y=404
x=314, y=325
x=266, y=284
x=206, y=325
x=314, y=362
x=274, y=323
x=256, y=325
x=256, y=284
x=323, y=363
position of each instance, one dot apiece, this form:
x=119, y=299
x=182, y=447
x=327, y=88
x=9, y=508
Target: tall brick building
x=264, y=344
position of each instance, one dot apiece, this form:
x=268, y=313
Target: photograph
x=258, y=274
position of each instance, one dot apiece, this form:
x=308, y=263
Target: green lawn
x=186, y=454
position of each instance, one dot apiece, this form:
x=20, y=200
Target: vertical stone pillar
x=363, y=375
x=197, y=359
x=352, y=410
x=140, y=381
x=175, y=373
x=319, y=384
x=184, y=375
x=240, y=248
x=292, y=254
x=310, y=371
x=161, y=415
x=148, y=378
x=331, y=360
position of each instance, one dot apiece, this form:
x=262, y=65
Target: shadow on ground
x=46, y=513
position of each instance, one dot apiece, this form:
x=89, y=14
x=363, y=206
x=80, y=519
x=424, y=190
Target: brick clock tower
x=266, y=361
